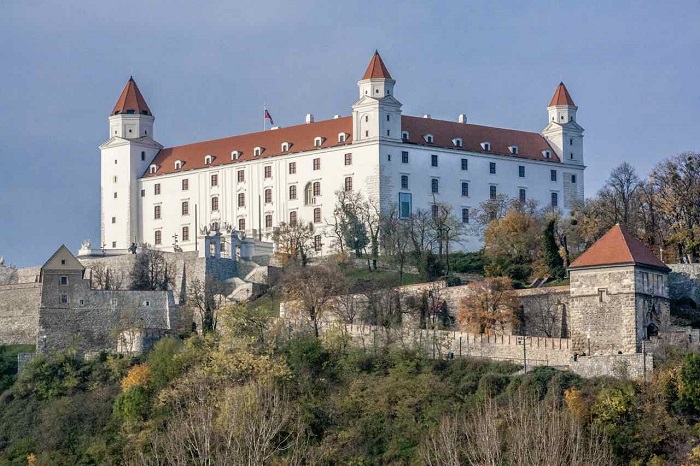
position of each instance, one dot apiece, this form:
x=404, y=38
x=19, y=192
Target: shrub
x=132, y=406
x=164, y=362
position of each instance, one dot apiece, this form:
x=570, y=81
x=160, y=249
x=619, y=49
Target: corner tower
x=124, y=158
x=563, y=132
x=377, y=114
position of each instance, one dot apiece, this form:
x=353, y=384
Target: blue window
x=465, y=215
x=433, y=160
x=465, y=164
x=405, y=205
x=521, y=171
x=434, y=185
x=492, y=192
x=465, y=189
x=492, y=168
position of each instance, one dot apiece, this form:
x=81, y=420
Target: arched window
x=308, y=194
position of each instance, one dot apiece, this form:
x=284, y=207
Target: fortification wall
x=684, y=282
x=623, y=366
x=13, y=275
x=19, y=313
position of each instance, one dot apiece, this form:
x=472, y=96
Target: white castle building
x=254, y=182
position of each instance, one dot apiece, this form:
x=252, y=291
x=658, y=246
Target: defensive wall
x=19, y=313
x=684, y=282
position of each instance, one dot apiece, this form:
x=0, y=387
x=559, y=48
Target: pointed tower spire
x=561, y=97
x=131, y=101
x=376, y=68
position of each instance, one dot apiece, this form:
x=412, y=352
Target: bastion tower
x=124, y=158
x=619, y=295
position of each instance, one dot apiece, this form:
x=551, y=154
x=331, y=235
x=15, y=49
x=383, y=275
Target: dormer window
x=486, y=146
x=284, y=147
x=153, y=168
x=257, y=151
x=207, y=159
x=404, y=135
x=457, y=142
x=235, y=155
x=318, y=141
x=342, y=137
x=428, y=138
x=178, y=164
x=546, y=154
x=513, y=150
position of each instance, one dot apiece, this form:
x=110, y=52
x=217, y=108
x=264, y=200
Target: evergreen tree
x=552, y=258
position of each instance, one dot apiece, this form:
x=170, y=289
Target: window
x=207, y=160
x=115, y=195
x=433, y=160
x=457, y=142
x=143, y=193
x=185, y=233
x=185, y=208
x=215, y=180
x=318, y=141
x=285, y=147
x=156, y=189
x=268, y=196
x=486, y=146
x=553, y=175
x=602, y=294
x=522, y=195
x=388, y=117
x=555, y=199
x=571, y=155
x=293, y=218
x=465, y=164
x=405, y=205
x=571, y=142
x=156, y=212
x=366, y=119
x=114, y=219
x=241, y=200
x=257, y=151
x=465, y=215
x=115, y=161
x=465, y=189
x=185, y=184
x=404, y=181
x=429, y=138
x=521, y=171
x=348, y=184
x=115, y=178
x=292, y=192
x=143, y=155
x=317, y=164
x=158, y=239
x=241, y=224
x=63, y=262
x=268, y=221
x=268, y=171
x=348, y=159
x=404, y=156
x=317, y=188
x=573, y=178
x=235, y=155
x=547, y=154
x=388, y=157
x=178, y=165
x=404, y=135
x=317, y=242
x=434, y=185
x=513, y=150
x=341, y=137
x=240, y=176
x=492, y=168
x=292, y=168
x=317, y=215
x=492, y=192
x=64, y=281
x=64, y=299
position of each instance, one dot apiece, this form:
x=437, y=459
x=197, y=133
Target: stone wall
x=624, y=366
x=684, y=282
x=19, y=313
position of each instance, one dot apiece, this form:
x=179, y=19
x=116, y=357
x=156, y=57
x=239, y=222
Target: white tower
x=563, y=132
x=124, y=158
x=377, y=114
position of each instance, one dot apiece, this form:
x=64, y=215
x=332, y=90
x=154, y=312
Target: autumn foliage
x=490, y=306
x=138, y=375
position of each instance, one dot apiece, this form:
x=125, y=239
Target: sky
x=207, y=68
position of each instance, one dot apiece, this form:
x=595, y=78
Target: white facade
x=150, y=194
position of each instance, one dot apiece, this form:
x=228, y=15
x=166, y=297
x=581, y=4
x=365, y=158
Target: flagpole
x=264, y=119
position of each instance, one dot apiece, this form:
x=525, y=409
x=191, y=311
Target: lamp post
x=588, y=338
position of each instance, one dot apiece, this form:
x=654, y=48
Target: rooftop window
x=486, y=146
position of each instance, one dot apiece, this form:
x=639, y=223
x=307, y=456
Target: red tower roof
x=618, y=247
x=561, y=97
x=131, y=100
x=376, y=68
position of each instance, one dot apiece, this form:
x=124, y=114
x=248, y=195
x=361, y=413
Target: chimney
x=309, y=118
x=426, y=116
x=462, y=118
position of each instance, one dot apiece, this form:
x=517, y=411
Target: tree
x=205, y=298
x=312, y=290
x=544, y=314
x=511, y=245
x=621, y=188
x=550, y=251
x=296, y=240
x=448, y=228
x=489, y=306
x=151, y=271
x=396, y=239
x=360, y=224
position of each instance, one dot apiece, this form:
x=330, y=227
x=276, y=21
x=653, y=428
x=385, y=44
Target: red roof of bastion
x=131, y=100
x=561, y=97
x=376, y=68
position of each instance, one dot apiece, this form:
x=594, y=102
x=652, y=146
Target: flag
x=269, y=117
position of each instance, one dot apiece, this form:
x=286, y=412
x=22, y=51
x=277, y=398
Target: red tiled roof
x=376, y=68
x=530, y=145
x=561, y=97
x=618, y=247
x=131, y=100
x=301, y=139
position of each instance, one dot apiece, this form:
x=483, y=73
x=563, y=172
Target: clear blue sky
x=205, y=69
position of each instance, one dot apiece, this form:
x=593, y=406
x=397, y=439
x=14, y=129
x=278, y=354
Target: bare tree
x=622, y=185
x=543, y=314
x=489, y=306
x=205, y=297
x=295, y=240
x=396, y=239
x=151, y=271
x=448, y=228
x=312, y=289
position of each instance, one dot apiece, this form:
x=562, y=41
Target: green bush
x=491, y=385
x=132, y=406
x=467, y=262
x=8, y=363
x=163, y=361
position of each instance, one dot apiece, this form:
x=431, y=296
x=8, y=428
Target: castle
x=254, y=182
